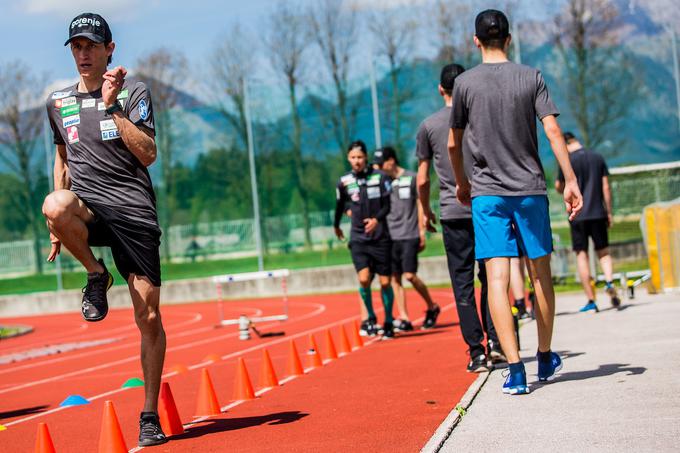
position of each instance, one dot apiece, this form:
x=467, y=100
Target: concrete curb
x=444, y=430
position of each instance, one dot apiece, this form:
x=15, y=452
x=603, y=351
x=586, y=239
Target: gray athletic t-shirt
x=497, y=104
x=432, y=143
x=402, y=220
x=103, y=170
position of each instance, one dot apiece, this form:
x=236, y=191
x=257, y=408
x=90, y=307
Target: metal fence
x=284, y=234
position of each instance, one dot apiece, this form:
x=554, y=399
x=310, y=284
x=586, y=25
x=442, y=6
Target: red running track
x=387, y=396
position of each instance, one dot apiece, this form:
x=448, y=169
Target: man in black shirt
x=593, y=180
x=104, y=135
x=366, y=192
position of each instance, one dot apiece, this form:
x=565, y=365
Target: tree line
x=296, y=47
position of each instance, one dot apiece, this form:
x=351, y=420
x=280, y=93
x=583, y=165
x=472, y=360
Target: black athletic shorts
x=405, y=256
x=583, y=229
x=134, y=246
x=373, y=255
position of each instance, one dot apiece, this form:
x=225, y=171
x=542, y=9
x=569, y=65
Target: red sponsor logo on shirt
x=72, y=133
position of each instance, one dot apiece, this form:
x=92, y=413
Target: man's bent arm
x=62, y=179
x=456, y=156
x=423, y=183
x=139, y=141
x=559, y=147
x=607, y=194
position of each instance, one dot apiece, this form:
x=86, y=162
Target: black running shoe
x=522, y=312
x=478, y=364
x=401, y=325
x=366, y=327
x=95, y=306
x=495, y=353
x=431, y=317
x=387, y=331
x=150, y=431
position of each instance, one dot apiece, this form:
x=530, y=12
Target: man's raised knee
x=58, y=204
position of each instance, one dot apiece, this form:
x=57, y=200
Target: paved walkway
x=619, y=389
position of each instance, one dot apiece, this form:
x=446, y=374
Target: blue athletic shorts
x=503, y=224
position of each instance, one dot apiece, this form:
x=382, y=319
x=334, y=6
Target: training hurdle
x=245, y=322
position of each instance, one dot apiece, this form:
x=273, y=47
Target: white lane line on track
x=289, y=378
x=319, y=309
x=196, y=318
x=173, y=373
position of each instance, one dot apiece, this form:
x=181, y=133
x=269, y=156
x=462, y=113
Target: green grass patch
x=198, y=269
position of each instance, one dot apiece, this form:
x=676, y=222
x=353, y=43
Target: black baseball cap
x=90, y=26
x=381, y=155
x=492, y=24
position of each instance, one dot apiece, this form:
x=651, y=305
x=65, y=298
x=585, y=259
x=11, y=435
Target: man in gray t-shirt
x=408, y=237
x=104, y=133
x=496, y=106
x=457, y=231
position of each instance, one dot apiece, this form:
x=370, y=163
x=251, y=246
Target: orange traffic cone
x=345, y=348
x=179, y=368
x=356, y=338
x=294, y=367
x=330, y=352
x=243, y=388
x=267, y=374
x=207, y=400
x=167, y=412
x=212, y=358
x=43, y=443
x=313, y=356
x=111, y=437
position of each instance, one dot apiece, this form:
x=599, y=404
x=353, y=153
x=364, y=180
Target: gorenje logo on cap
x=85, y=21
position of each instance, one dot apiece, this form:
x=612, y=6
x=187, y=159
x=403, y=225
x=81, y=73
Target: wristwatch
x=116, y=107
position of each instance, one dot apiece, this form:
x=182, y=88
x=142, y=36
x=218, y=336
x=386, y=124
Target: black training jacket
x=367, y=195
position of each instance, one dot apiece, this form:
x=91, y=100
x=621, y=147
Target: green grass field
x=198, y=269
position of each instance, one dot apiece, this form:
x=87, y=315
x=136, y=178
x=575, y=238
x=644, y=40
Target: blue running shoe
x=547, y=370
x=590, y=306
x=515, y=383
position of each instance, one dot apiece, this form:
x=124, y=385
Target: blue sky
x=34, y=30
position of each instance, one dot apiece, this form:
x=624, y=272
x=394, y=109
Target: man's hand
x=370, y=225
x=113, y=83
x=339, y=234
x=573, y=200
x=429, y=219
x=421, y=244
x=463, y=192
x=56, y=248
x=610, y=220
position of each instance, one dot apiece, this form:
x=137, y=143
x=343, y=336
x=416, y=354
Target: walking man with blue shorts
x=497, y=104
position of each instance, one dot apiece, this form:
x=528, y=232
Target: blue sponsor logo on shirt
x=143, y=110
x=110, y=134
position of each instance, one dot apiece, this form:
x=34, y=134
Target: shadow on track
x=22, y=412
x=220, y=425
x=603, y=370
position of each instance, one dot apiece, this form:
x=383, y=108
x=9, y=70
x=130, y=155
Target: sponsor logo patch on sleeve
x=143, y=109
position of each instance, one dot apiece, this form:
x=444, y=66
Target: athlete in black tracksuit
x=366, y=193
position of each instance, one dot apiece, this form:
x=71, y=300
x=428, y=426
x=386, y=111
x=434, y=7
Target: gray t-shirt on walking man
x=402, y=220
x=432, y=144
x=497, y=104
